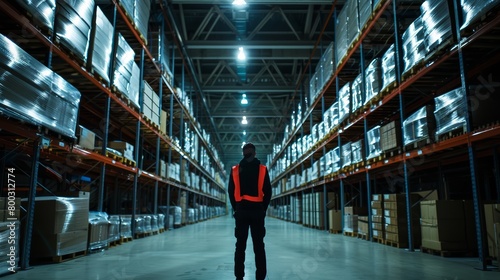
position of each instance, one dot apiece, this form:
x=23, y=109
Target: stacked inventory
x=43, y=11
x=103, y=44
x=346, y=155
x=390, y=136
x=450, y=112
x=344, y=102
x=357, y=95
x=357, y=151
x=139, y=225
x=351, y=214
x=396, y=220
x=373, y=142
x=98, y=230
x=154, y=223
x=73, y=22
x=373, y=80
x=436, y=22
x=134, y=85
x=416, y=126
x=124, y=148
x=335, y=220
x=147, y=219
x=125, y=226
x=363, y=226
x=113, y=228
x=141, y=17
x=60, y=226
x=473, y=10
x=341, y=44
x=492, y=222
x=443, y=225
x=378, y=221
x=151, y=104
x=413, y=45
x=388, y=67
x=327, y=62
x=352, y=21
x=47, y=99
x=365, y=11
x=314, y=86
x=124, y=64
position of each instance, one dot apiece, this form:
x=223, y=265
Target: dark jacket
x=249, y=177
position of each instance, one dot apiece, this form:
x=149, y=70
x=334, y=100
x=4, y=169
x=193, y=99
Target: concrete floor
x=205, y=251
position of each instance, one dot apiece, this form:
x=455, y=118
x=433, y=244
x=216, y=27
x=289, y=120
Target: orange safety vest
x=236, y=177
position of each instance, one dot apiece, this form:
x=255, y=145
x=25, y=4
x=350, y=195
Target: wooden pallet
x=453, y=133
x=98, y=77
x=389, y=88
x=417, y=144
x=413, y=70
x=161, y=230
x=142, y=235
x=439, y=49
x=446, y=254
x=155, y=232
x=62, y=258
x=335, y=231
x=351, y=233
x=69, y=52
x=114, y=243
x=375, y=159
x=129, y=162
x=111, y=155
x=125, y=239
x=392, y=152
x=363, y=236
x=378, y=240
x=395, y=244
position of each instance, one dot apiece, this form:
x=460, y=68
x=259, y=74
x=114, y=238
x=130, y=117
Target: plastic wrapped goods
x=357, y=151
x=450, y=111
x=43, y=11
x=327, y=62
x=415, y=127
x=346, y=155
x=147, y=223
x=336, y=159
x=413, y=44
x=373, y=81
x=134, y=85
x=139, y=224
x=436, y=21
x=9, y=241
x=125, y=226
x=357, y=93
x=114, y=228
x=72, y=25
x=47, y=99
x=388, y=65
x=313, y=86
x=473, y=10
x=341, y=35
x=344, y=102
x=141, y=16
x=373, y=142
x=103, y=44
x=352, y=21
x=98, y=230
x=365, y=11
x=124, y=63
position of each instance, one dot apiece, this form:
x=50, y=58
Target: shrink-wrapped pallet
x=365, y=11
x=346, y=155
x=388, y=65
x=344, y=102
x=373, y=80
x=413, y=44
x=103, y=44
x=43, y=11
x=124, y=63
x=415, y=127
x=450, y=111
x=72, y=26
x=341, y=35
x=113, y=228
x=473, y=10
x=9, y=245
x=336, y=159
x=436, y=21
x=47, y=100
x=352, y=21
x=373, y=142
x=357, y=151
x=125, y=226
x=98, y=230
x=141, y=17
x=357, y=97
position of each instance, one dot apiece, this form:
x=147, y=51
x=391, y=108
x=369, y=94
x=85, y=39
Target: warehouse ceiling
x=278, y=38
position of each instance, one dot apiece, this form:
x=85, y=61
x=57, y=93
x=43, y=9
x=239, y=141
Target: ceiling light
x=241, y=54
x=244, y=99
x=244, y=121
x=244, y=132
x=239, y=3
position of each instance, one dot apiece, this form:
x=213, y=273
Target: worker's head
x=249, y=151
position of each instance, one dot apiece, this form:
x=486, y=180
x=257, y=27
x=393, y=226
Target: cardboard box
x=353, y=210
x=59, y=244
x=335, y=220
x=125, y=148
x=350, y=223
x=491, y=217
x=86, y=138
x=377, y=204
x=363, y=224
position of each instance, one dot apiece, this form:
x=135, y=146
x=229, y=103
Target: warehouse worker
x=250, y=193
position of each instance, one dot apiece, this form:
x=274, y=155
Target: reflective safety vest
x=236, y=178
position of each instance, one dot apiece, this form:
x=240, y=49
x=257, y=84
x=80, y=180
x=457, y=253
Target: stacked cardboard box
x=98, y=230
x=377, y=213
x=126, y=149
x=396, y=220
x=351, y=214
x=492, y=217
x=60, y=226
x=390, y=136
x=363, y=225
x=151, y=105
x=113, y=228
x=443, y=225
x=86, y=138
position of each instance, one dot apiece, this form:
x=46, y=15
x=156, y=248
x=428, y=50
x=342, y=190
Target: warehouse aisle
x=205, y=251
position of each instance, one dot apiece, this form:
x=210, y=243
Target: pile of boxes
x=492, y=222
x=351, y=214
x=396, y=220
x=98, y=231
x=378, y=221
x=151, y=105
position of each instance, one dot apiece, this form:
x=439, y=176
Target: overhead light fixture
x=244, y=132
x=241, y=54
x=244, y=99
x=239, y=3
x=244, y=121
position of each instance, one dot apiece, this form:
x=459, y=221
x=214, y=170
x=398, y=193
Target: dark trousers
x=253, y=219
